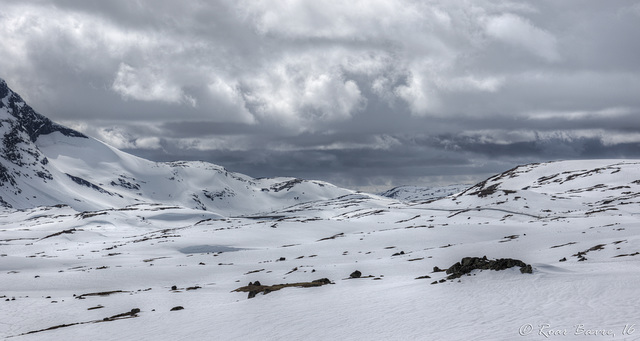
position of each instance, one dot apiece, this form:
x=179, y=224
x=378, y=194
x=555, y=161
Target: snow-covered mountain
x=43, y=164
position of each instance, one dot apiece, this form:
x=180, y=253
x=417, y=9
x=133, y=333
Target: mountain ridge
x=43, y=163
x=32, y=122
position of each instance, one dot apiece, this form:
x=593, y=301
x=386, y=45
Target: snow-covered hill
x=42, y=163
x=557, y=189
x=423, y=193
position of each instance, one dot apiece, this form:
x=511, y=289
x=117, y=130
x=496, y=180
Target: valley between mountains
x=97, y=244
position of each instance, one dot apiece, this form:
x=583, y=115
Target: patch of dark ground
x=130, y=314
x=256, y=287
x=103, y=293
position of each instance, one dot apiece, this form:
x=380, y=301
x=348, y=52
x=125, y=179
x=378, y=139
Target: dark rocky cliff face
x=28, y=120
x=20, y=127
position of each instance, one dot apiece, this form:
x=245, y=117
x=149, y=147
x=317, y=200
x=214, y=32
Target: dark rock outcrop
x=355, y=274
x=437, y=269
x=468, y=264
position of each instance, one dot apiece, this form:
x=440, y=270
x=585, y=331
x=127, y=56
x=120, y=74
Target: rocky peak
x=27, y=119
x=20, y=127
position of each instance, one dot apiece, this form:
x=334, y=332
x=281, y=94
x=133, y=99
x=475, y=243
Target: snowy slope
x=557, y=189
x=42, y=163
x=423, y=193
x=68, y=271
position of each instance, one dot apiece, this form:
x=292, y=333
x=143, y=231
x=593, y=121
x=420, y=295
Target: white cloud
x=506, y=137
x=299, y=92
x=518, y=31
x=121, y=139
x=228, y=143
x=612, y=139
x=148, y=143
x=420, y=96
x=229, y=100
x=580, y=115
x=147, y=84
x=377, y=142
x=500, y=136
x=296, y=71
x=332, y=19
x=473, y=83
x=120, y=136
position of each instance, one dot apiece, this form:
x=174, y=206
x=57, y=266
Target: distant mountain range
x=45, y=164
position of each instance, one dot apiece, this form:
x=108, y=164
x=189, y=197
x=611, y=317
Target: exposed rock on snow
x=255, y=288
x=355, y=274
x=468, y=264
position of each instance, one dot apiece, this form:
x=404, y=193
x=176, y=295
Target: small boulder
x=526, y=269
x=355, y=274
x=322, y=281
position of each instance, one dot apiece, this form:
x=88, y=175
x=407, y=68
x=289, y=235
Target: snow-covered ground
x=577, y=229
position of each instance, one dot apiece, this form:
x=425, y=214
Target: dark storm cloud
x=362, y=93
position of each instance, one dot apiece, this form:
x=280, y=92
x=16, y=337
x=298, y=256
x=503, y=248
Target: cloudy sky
x=366, y=94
